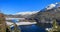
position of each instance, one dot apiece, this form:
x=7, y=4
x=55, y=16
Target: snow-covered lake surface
x=24, y=26
x=15, y=18
x=20, y=23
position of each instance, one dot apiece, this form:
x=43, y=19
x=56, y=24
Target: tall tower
x=2, y=23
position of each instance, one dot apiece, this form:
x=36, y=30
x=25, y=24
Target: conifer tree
x=16, y=28
x=55, y=27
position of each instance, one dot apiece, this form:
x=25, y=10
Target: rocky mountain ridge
x=48, y=13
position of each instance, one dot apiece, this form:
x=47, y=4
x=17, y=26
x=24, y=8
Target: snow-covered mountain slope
x=26, y=13
x=48, y=13
x=53, y=6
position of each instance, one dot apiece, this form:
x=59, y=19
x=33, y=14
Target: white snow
x=9, y=23
x=51, y=6
x=15, y=18
x=56, y=3
x=48, y=29
x=20, y=23
x=25, y=23
x=26, y=13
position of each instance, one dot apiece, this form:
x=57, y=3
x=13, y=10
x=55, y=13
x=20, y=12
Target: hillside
x=48, y=14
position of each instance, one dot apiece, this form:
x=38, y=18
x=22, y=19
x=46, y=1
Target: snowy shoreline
x=20, y=23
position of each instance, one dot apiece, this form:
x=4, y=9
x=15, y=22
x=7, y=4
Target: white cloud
x=28, y=12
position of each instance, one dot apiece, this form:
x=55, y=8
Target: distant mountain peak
x=53, y=6
x=50, y=6
x=58, y=4
x=26, y=13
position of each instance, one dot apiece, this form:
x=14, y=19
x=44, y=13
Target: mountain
x=21, y=14
x=49, y=13
x=26, y=13
x=13, y=16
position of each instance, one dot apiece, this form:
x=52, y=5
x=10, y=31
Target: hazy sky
x=15, y=6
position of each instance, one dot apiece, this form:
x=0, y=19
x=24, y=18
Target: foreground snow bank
x=20, y=23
